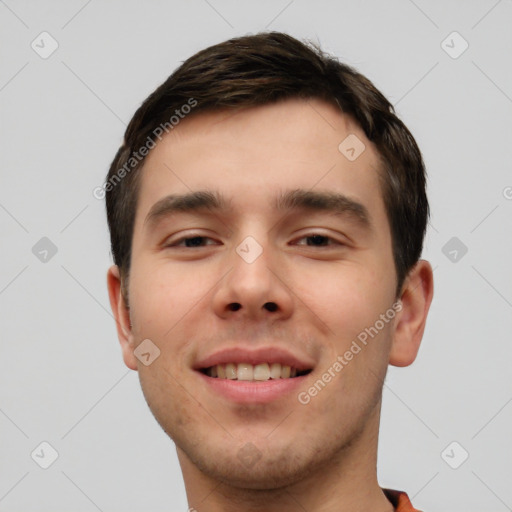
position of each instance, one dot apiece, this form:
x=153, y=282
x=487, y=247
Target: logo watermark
x=142, y=152
x=304, y=397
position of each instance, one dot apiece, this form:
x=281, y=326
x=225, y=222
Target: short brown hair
x=261, y=69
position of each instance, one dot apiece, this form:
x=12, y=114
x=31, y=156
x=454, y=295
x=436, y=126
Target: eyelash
x=309, y=235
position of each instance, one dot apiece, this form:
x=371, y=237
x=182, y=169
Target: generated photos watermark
x=143, y=151
x=305, y=397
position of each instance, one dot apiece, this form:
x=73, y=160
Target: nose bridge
x=252, y=260
x=252, y=243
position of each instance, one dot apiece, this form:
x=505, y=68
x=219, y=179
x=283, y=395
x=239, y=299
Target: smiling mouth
x=257, y=373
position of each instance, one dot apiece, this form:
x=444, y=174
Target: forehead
x=251, y=154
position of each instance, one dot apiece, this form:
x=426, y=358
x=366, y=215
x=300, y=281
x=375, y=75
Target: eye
x=319, y=240
x=313, y=240
x=190, y=241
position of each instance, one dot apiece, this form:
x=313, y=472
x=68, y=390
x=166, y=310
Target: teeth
x=249, y=372
x=275, y=371
x=245, y=371
x=230, y=371
x=262, y=372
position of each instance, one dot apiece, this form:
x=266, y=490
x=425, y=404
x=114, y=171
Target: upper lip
x=253, y=356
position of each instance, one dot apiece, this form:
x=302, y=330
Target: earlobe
x=121, y=316
x=416, y=298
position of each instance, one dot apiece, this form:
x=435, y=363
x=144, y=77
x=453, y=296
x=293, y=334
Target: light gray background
x=62, y=377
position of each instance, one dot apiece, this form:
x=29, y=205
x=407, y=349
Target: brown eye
x=190, y=242
x=319, y=240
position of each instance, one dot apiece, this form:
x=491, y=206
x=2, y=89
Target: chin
x=249, y=468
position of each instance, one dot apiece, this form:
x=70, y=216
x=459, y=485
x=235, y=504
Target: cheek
x=168, y=307
x=347, y=297
x=160, y=296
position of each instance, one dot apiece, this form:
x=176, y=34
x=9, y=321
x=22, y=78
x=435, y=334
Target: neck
x=344, y=482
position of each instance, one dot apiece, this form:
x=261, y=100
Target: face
x=294, y=284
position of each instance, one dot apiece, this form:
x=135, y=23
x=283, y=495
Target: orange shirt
x=399, y=500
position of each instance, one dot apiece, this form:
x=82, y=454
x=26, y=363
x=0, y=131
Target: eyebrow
x=291, y=200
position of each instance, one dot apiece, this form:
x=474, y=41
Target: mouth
x=248, y=372
x=247, y=375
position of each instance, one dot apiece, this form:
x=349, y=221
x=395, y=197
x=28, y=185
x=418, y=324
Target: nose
x=255, y=288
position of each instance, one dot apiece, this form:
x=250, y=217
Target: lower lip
x=241, y=391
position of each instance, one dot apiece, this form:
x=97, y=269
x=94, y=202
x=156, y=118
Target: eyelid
x=182, y=238
x=325, y=235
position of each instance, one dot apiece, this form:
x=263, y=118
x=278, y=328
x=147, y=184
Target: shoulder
x=399, y=500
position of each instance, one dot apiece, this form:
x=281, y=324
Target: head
x=253, y=131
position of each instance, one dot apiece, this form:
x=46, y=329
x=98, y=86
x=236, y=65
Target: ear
x=416, y=296
x=122, y=317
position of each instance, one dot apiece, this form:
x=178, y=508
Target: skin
x=316, y=457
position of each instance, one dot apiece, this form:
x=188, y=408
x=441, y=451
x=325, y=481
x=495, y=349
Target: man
x=267, y=211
